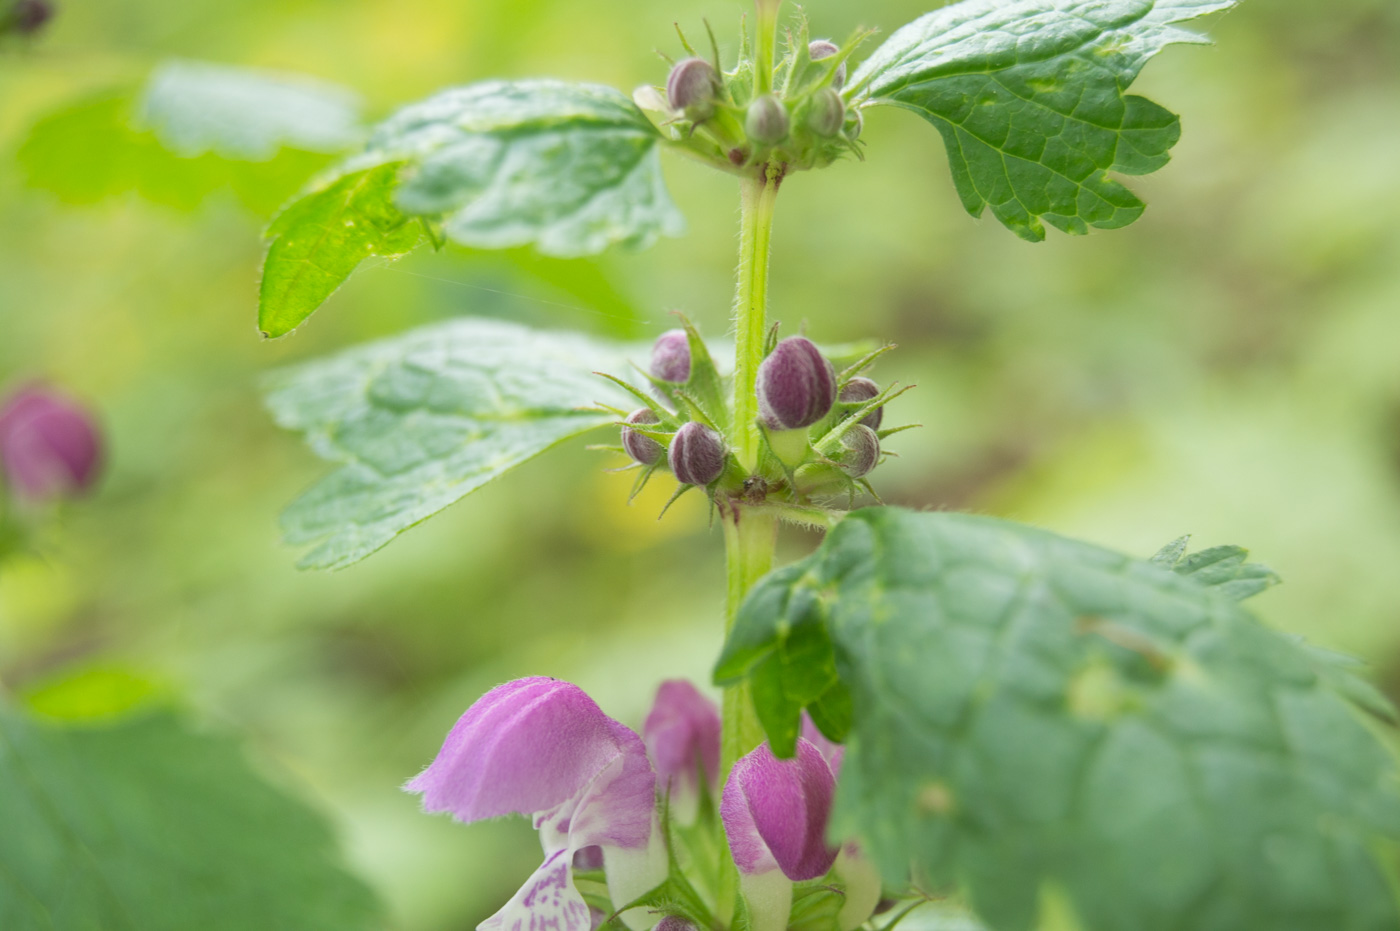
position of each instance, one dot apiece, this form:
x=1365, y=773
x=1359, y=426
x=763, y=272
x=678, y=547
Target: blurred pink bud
x=859, y=390
x=831, y=751
x=639, y=446
x=862, y=451
x=682, y=735
x=670, y=357
x=542, y=747
x=692, y=86
x=818, y=49
x=49, y=445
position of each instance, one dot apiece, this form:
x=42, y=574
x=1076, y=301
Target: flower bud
x=859, y=390
x=670, y=357
x=49, y=446
x=767, y=120
x=862, y=451
x=796, y=385
x=818, y=49
x=827, y=113
x=682, y=734
x=692, y=87
x=697, y=454
x=639, y=446
x=675, y=923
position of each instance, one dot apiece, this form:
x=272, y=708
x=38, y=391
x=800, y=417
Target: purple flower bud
x=796, y=385
x=692, y=86
x=675, y=923
x=818, y=49
x=29, y=16
x=775, y=813
x=862, y=451
x=670, y=357
x=682, y=736
x=49, y=445
x=542, y=747
x=859, y=390
x=827, y=113
x=639, y=446
x=831, y=751
x=697, y=454
x=767, y=120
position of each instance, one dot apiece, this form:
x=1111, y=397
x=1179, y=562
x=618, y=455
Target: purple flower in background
x=49, y=445
x=541, y=747
x=775, y=814
x=682, y=735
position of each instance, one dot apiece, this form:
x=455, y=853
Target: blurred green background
x=1227, y=367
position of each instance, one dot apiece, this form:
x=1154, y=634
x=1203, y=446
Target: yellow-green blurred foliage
x=1228, y=367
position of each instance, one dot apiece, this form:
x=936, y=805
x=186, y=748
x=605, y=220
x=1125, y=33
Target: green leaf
x=1221, y=566
x=145, y=826
x=90, y=151
x=1029, y=97
x=423, y=419
x=1066, y=732
x=320, y=239
x=568, y=168
x=246, y=115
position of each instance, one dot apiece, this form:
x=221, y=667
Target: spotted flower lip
x=682, y=735
x=541, y=747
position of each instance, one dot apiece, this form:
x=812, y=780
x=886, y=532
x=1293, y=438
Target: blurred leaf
x=93, y=692
x=89, y=151
x=568, y=168
x=148, y=826
x=246, y=115
x=1045, y=721
x=1220, y=566
x=423, y=419
x=319, y=240
x=1028, y=95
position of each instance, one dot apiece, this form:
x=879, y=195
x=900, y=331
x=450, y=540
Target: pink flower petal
x=682, y=735
x=775, y=813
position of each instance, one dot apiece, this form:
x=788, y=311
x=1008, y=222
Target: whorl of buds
x=859, y=390
x=670, y=357
x=827, y=113
x=818, y=49
x=862, y=451
x=639, y=446
x=49, y=445
x=697, y=454
x=692, y=87
x=767, y=120
x=796, y=385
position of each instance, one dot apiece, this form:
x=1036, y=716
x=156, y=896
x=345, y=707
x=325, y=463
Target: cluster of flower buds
x=822, y=427
x=803, y=123
x=597, y=793
x=50, y=447
x=25, y=17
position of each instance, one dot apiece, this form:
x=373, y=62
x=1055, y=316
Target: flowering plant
x=988, y=721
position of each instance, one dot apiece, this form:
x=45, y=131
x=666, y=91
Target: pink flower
x=49, y=445
x=543, y=748
x=682, y=735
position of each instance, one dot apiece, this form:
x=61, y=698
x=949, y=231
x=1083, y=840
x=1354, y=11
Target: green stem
x=756, y=200
x=765, y=40
x=750, y=533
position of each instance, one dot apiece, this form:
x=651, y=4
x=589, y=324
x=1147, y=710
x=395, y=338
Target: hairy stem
x=750, y=534
x=766, y=37
x=751, y=311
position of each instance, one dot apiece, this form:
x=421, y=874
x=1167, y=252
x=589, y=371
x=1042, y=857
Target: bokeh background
x=1227, y=367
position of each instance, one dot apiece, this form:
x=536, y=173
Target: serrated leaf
x=1225, y=568
x=1042, y=721
x=1029, y=97
x=145, y=825
x=423, y=419
x=319, y=240
x=246, y=114
x=570, y=169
